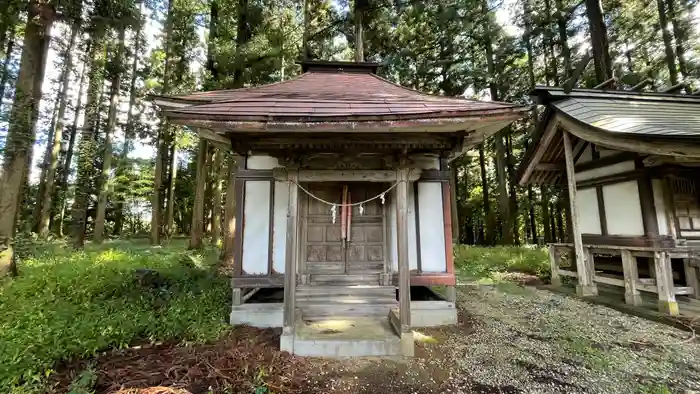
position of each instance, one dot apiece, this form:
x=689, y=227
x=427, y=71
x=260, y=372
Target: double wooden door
x=326, y=248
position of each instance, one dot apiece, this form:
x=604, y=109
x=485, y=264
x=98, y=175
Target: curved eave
x=444, y=123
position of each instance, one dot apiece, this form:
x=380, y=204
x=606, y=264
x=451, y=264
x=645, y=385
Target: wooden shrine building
x=631, y=163
x=342, y=200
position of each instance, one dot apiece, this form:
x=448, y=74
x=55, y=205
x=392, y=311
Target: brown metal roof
x=329, y=92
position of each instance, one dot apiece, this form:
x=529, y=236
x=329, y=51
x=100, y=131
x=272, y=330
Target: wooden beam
x=402, y=250
x=586, y=286
x=280, y=174
x=290, y=269
x=691, y=277
x=548, y=167
x=629, y=269
x=664, y=283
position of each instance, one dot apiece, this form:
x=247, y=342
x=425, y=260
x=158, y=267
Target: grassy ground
x=494, y=264
x=68, y=305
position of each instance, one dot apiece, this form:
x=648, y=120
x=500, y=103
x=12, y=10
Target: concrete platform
x=263, y=315
x=433, y=313
x=356, y=337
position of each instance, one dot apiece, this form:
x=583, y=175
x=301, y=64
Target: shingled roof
x=339, y=94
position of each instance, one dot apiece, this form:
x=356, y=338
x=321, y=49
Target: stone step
x=338, y=311
x=345, y=279
x=368, y=290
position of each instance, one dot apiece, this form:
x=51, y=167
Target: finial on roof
x=338, y=66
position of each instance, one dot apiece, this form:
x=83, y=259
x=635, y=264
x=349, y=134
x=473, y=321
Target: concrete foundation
x=633, y=299
x=433, y=313
x=357, y=337
x=258, y=315
x=586, y=291
x=669, y=307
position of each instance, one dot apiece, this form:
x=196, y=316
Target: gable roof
x=331, y=93
x=648, y=123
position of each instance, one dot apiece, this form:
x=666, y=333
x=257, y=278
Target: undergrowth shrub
x=475, y=262
x=73, y=304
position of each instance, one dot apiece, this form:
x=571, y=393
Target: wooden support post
x=402, y=252
x=290, y=270
x=236, y=297
x=554, y=259
x=629, y=270
x=664, y=283
x=586, y=286
x=691, y=277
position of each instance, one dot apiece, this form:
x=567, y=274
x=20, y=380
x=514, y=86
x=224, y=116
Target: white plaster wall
x=604, y=171
x=623, y=210
x=432, y=227
x=688, y=233
x=427, y=162
x=279, y=226
x=412, y=233
x=261, y=162
x=660, y=205
x=256, y=227
x=588, y=214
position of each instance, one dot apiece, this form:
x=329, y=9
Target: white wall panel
x=604, y=171
x=588, y=214
x=256, y=227
x=279, y=226
x=412, y=233
x=261, y=162
x=432, y=227
x=623, y=210
x=660, y=205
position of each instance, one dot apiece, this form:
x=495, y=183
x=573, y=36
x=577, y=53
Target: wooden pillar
x=664, y=283
x=554, y=258
x=290, y=269
x=629, y=269
x=230, y=206
x=691, y=277
x=402, y=252
x=586, y=286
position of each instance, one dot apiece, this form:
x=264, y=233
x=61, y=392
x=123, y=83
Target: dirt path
x=515, y=339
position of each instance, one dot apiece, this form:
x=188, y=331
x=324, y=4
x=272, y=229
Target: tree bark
x=668, y=44
x=109, y=131
x=46, y=204
x=129, y=129
x=490, y=222
x=172, y=177
x=563, y=38
x=23, y=116
x=512, y=191
x=68, y=155
x=46, y=162
x=359, y=44
x=216, y=197
x=87, y=148
x=680, y=35
x=243, y=34
x=599, y=40
x=197, y=231
x=545, y=214
x=549, y=38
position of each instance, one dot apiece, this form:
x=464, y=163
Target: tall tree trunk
x=213, y=35
x=306, y=50
x=114, y=92
x=552, y=222
x=599, y=40
x=359, y=33
x=216, y=197
x=680, y=35
x=545, y=214
x=503, y=202
x=46, y=204
x=197, y=231
x=549, y=38
x=21, y=132
x=512, y=191
x=6, y=68
x=668, y=44
x=560, y=220
x=163, y=137
x=172, y=177
x=46, y=162
x=62, y=195
x=87, y=147
x=490, y=231
x=129, y=129
x=563, y=38
x=243, y=34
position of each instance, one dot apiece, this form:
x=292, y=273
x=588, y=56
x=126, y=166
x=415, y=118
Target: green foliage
x=84, y=382
x=489, y=263
x=75, y=304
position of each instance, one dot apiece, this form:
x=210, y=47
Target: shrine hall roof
x=329, y=92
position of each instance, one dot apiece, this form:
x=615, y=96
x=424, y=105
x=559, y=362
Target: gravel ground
x=514, y=339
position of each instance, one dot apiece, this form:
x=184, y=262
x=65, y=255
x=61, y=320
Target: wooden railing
x=660, y=270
